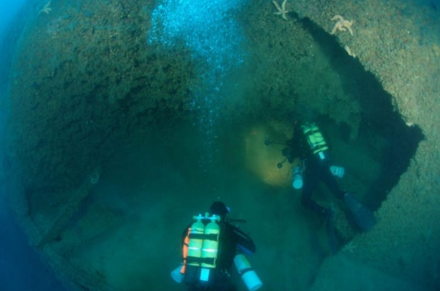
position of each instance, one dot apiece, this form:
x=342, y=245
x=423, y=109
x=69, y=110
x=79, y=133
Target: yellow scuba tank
x=210, y=243
x=195, y=241
x=314, y=138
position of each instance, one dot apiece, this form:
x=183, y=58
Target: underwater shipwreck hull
x=71, y=94
x=399, y=43
x=84, y=78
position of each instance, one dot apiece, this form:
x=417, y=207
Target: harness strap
x=199, y=260
x=203, y=236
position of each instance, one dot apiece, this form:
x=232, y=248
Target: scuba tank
x=315, y=139
x=200, y=250
x=191, y=263
x=196, y=241
x=248, y=275
x=210, y=243
x=337, y=171
x=297, y=178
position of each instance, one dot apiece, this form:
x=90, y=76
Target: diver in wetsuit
x=211, y=244
x=309, y=146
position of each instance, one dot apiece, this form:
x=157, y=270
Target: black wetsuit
x=220, y=278
x=316, y=169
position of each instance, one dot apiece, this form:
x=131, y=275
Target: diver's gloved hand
x=363, y=216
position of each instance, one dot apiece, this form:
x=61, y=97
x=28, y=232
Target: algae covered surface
x=126, y=119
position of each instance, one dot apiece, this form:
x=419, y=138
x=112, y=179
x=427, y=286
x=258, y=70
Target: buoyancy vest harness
x=200, y=246
x=314, y=138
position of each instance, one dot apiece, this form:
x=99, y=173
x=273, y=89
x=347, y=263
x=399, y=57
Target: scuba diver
x=309, y=151
x=210, y=245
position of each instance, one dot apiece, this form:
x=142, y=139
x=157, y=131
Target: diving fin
x=363, y=216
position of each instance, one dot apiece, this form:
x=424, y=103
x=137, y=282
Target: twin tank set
x=200, y=254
